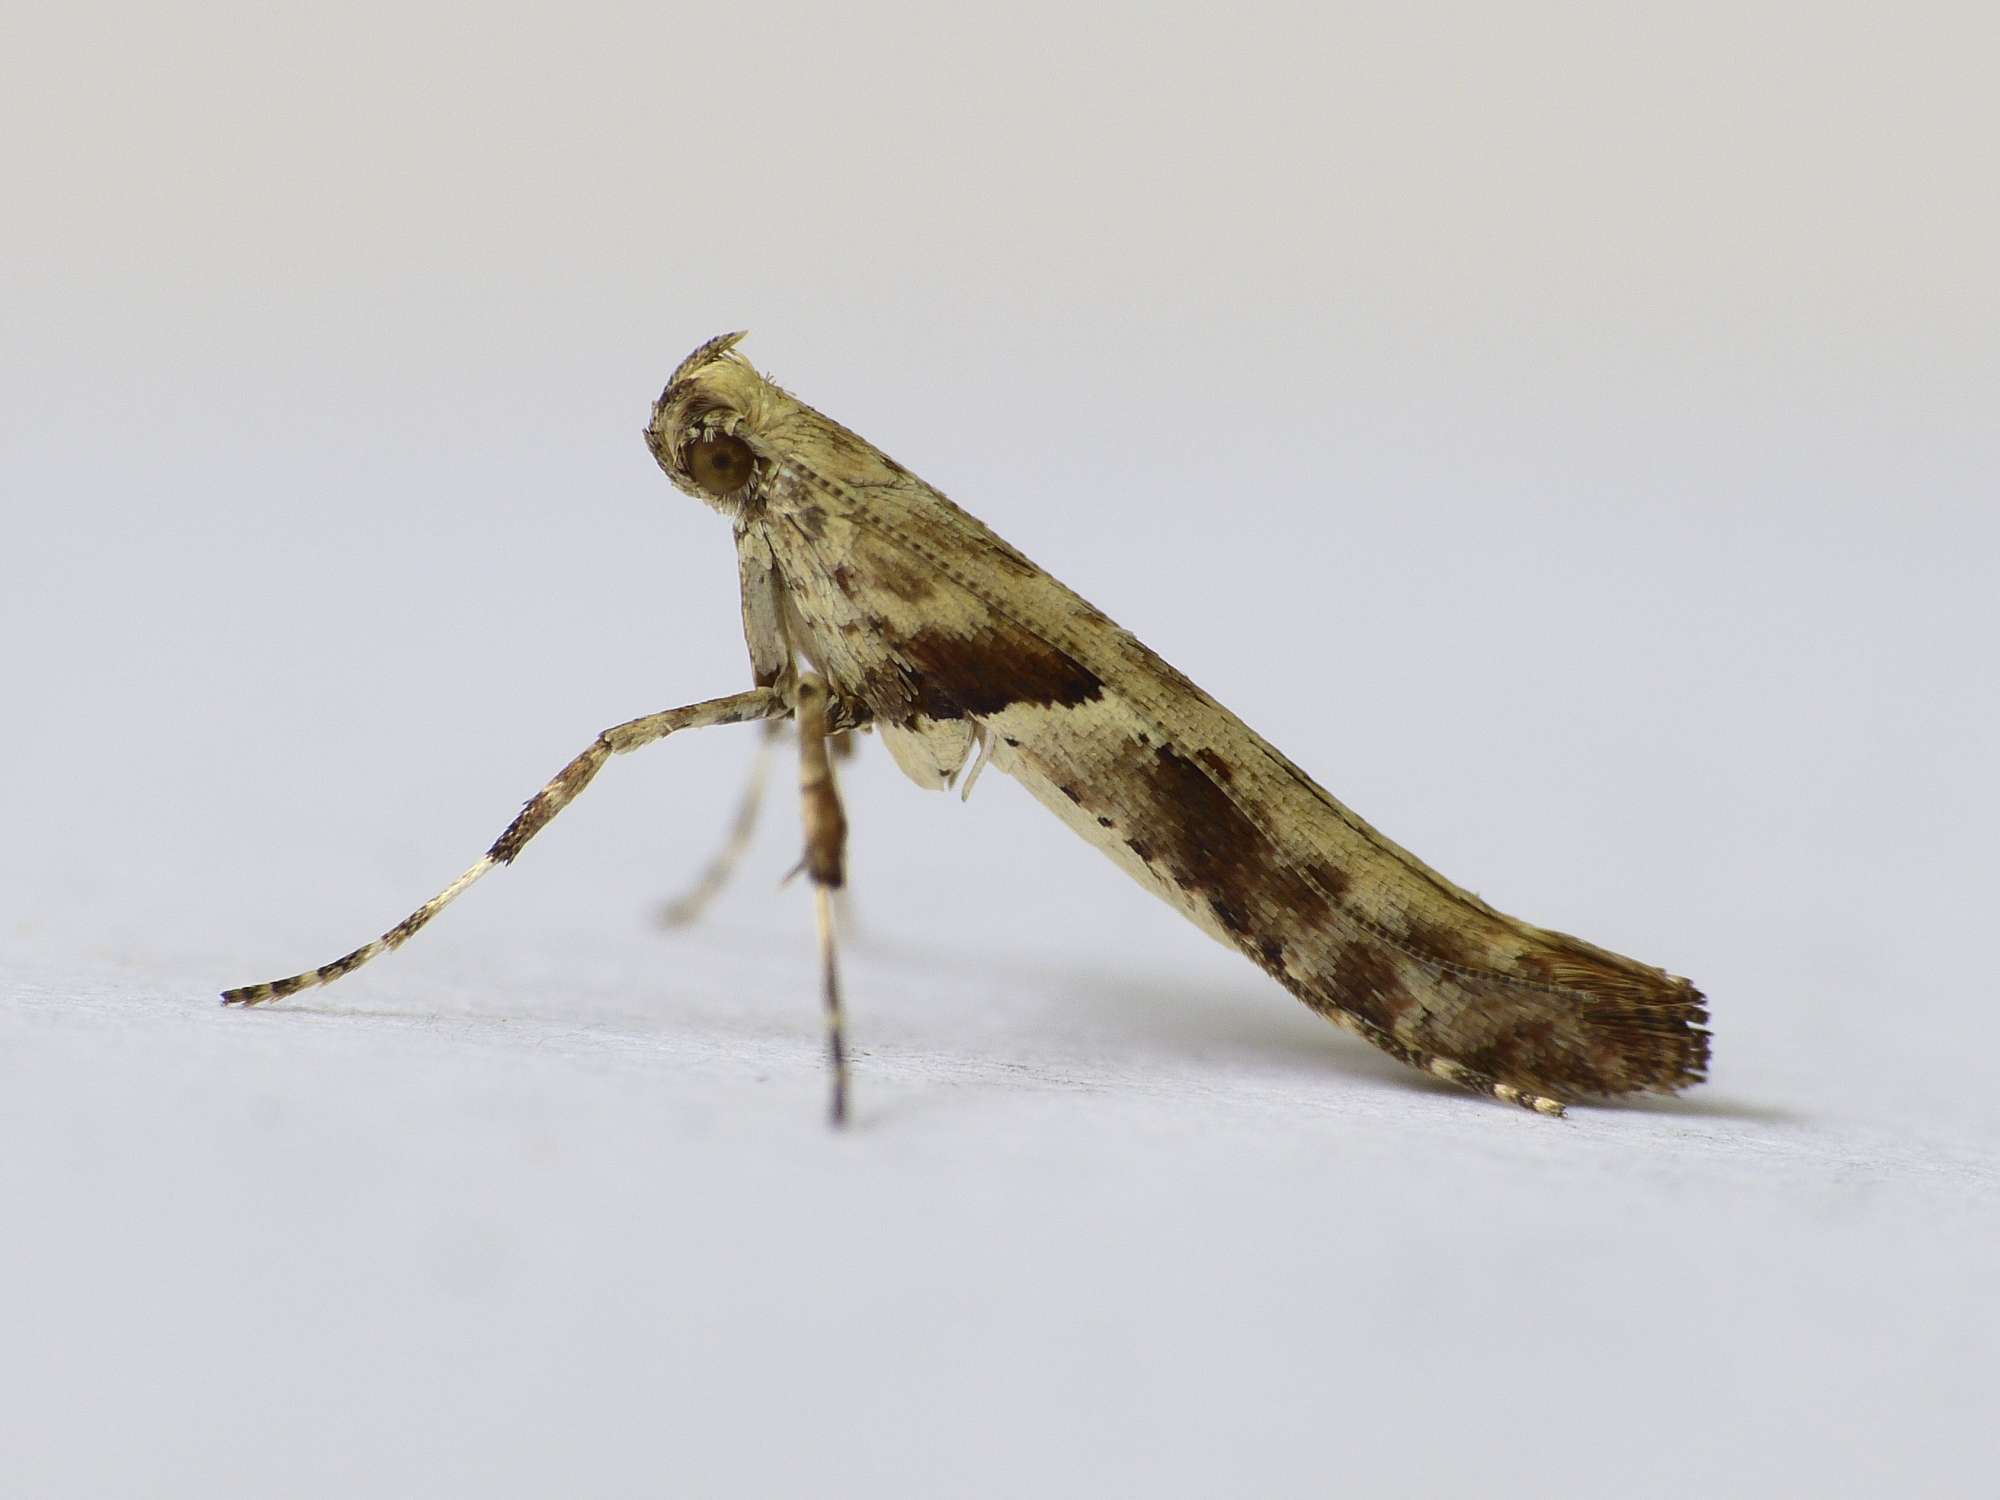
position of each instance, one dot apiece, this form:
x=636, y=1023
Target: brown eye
x=720, y=464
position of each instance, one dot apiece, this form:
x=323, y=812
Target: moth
x=872, y=602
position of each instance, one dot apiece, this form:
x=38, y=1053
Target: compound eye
x=720, y=464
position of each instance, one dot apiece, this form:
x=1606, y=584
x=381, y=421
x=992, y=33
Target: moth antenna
x=541, y=809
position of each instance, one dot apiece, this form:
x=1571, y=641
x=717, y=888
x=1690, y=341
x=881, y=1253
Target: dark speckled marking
x=1530, y=1051
x=897, y=579
x=1432, y=940
x=1211, y=843
x=941, y=676
x=909, y=584
x=1329, y=878
x=343, y=965
x=955, y=676
x=406, y=929
x=1217, y=766
x=1366, y=982
x=1230, y=916
x=1214, y=850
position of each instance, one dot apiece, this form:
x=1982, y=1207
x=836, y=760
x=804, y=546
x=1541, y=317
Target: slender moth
x=870, y=601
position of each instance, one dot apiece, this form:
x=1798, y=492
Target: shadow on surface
x=1704, y=1105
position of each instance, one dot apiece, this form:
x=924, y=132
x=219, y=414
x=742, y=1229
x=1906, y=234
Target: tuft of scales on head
x=704, y=432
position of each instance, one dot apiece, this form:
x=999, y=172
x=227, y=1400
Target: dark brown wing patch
x=949, y=676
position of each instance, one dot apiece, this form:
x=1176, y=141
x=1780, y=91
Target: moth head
x=704, y=429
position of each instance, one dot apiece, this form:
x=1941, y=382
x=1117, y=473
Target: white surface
x=1569, y=436
x=465, y=1233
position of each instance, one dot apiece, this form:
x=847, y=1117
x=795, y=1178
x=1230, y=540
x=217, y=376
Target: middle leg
x=825, y=865
x=686, y=908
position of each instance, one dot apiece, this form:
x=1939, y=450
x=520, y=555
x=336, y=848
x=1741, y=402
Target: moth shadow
x=1704, y=1105
x=1244, y=1024
x=1232, y=1022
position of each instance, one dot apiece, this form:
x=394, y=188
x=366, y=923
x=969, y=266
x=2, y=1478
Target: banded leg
x=825, y=865
x=737, y=708
x=686, y=908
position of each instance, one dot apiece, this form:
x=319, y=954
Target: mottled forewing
x=919, y=610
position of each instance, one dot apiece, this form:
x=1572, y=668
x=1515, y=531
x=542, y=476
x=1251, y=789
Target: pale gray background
x=1568, y=430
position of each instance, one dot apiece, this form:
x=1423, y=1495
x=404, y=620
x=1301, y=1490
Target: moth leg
x=686, y=908
x=843, y=745
x=825, y=864
x=738, y=708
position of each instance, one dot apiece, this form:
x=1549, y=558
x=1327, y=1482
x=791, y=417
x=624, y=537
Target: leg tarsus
x=836, y=1028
